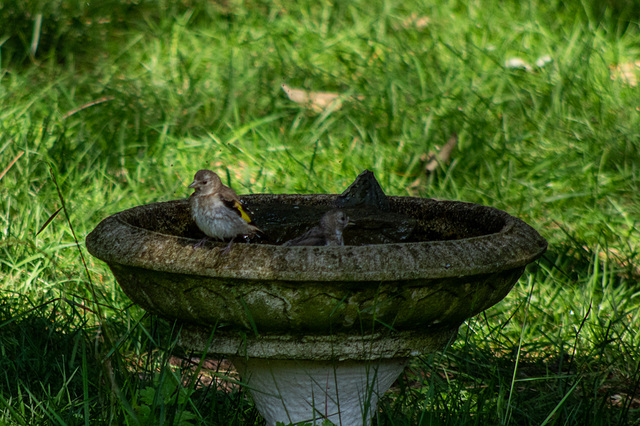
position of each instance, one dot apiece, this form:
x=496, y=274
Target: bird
x=327, y=233
x=217, y=210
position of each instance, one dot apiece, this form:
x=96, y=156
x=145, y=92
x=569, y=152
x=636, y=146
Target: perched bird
x=327, y=233
x=216, y=209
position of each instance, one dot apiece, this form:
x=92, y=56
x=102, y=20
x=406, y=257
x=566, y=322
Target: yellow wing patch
x=243, y=214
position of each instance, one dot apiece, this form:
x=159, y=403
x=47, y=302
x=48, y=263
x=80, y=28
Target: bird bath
x=320, y=332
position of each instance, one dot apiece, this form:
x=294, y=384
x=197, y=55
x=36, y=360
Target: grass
x=122, y=102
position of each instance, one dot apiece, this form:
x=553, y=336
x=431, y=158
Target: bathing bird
x=217, y=210
x=327, y=233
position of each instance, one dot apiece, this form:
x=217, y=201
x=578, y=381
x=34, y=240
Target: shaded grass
x=560, y=369
x=53, y=372
x=123, y=102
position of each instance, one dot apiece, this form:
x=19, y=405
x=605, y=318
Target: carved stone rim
x=116, y=240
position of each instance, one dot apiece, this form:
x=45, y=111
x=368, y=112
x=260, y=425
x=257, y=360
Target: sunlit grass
x=123, y=103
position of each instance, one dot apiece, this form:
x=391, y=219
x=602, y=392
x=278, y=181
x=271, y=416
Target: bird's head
x=336, y=220
x=206, y=182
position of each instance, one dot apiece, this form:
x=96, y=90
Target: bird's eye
x=205, y=182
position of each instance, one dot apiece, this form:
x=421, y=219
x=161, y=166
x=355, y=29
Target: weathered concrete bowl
x=320, y=332
x=460, y=259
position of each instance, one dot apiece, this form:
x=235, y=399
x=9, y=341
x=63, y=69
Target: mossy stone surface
x=452, y=261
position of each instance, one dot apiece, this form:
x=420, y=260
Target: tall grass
x=122, y=102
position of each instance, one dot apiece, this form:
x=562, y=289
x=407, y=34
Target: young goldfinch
x=327, y=233
x=216, y=209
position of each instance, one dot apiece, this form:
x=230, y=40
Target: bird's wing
x=231, y=200
x=313, y=237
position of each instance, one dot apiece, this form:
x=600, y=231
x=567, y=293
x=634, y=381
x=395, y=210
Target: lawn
x=109, y=105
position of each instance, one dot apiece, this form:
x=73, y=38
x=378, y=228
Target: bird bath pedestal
x=320, y=332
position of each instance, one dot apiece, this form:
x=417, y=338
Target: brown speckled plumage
x=216, y=208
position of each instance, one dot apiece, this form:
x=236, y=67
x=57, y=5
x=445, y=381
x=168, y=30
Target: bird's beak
x=350, y=222
x=193, y=184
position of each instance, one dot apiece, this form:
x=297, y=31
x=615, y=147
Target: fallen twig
x=4, y=172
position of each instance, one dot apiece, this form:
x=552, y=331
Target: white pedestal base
x=343, y=392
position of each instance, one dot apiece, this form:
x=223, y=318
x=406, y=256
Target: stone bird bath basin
x=320, y=332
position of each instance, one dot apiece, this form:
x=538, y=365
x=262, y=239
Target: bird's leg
x=228, y=247
x=201, y=242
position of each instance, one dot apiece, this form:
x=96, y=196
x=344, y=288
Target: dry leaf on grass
x=317, y=101
x=627, y=72
x=543, y=60
x=436, y=159
x=519, y=63
x=416, y=22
